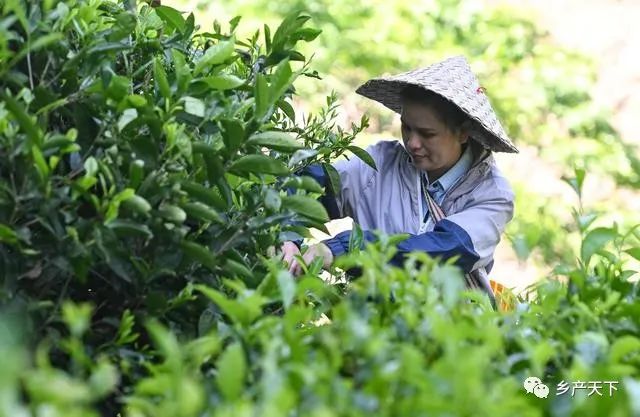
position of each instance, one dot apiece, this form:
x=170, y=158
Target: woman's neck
x=437, y=173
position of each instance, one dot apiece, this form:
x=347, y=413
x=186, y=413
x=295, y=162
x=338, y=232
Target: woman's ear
x=463, y=132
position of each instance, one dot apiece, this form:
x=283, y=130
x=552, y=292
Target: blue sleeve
x=445, y=241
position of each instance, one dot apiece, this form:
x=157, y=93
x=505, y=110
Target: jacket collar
x=482, y=162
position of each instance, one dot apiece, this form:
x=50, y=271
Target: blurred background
x=563, y=75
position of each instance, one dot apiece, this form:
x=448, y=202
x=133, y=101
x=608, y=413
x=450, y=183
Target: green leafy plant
x=146, y=169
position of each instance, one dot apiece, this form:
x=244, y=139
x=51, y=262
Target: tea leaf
x=306, y=206
x=232, y=368
x=223, y=82
x=172, y=17
x=258, y=164
x=363, y=155
x=594, y=241
x=280, y=141
x=215, y=55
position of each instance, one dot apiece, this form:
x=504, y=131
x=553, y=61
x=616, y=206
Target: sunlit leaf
x=303, y=183
x=634, y=252
x=305, y=206
x=625, y=346
x=127, y=117
x=215, y=55
x=280, y=141
x=77, y=317
x=258, y=164
x=223, y=82
x=7, y=235
x=596, y=240
x=363, y=155
x=301, y=155
x=193, y=106
x=242, y=312
x=232, y=368
x=171, y=16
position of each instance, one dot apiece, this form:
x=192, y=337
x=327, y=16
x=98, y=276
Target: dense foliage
x=133, y=156
x=146, y=172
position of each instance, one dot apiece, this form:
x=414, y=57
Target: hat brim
x=388, y=92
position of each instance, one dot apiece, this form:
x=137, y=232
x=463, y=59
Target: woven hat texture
x=454, y=80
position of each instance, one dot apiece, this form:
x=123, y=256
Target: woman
x=442, y=187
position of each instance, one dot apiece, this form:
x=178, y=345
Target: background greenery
x=143, y=163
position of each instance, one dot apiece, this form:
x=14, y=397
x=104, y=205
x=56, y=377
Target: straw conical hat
x=454, y=80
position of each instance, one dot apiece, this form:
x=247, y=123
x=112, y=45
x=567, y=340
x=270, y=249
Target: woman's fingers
x=309, y=256
x=289, y=251
x=287, y=257
x=295, y=268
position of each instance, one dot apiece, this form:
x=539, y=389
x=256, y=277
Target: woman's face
x=433, y=147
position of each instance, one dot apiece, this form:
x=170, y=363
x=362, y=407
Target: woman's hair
x=447, y=112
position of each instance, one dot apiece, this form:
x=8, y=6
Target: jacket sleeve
x=354, y=177
x=472, y=234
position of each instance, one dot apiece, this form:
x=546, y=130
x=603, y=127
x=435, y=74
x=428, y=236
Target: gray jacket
x=478, y=206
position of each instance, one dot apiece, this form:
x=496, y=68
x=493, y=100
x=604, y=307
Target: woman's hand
x=318, y=250
x=290, y=250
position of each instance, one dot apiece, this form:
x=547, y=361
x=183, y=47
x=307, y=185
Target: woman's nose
x=413, y=142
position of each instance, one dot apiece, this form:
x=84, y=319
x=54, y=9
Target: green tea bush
x=138, y=156
x=146, y=172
